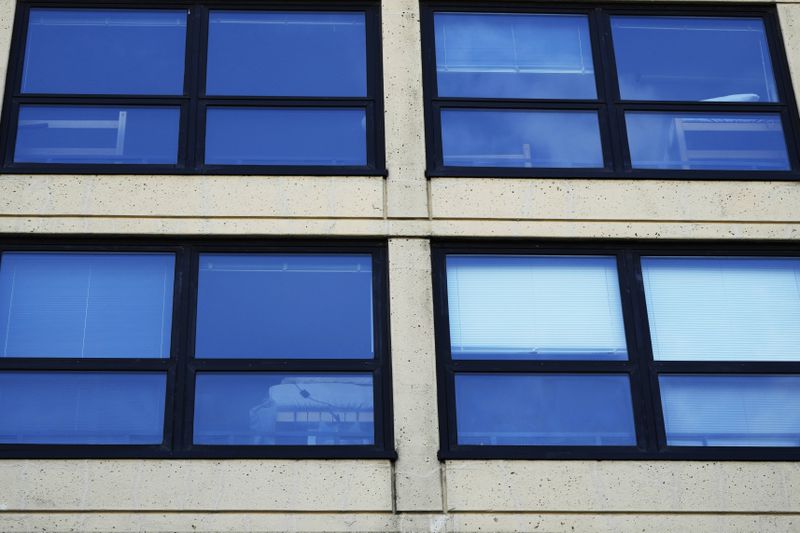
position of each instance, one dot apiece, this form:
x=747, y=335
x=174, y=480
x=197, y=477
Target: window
x=212, y=89
x=618, y=351
x=607, y=92
x=196, y=349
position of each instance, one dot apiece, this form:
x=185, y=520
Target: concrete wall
x=417, y=493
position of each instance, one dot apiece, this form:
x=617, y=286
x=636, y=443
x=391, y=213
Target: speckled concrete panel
x=7, y=8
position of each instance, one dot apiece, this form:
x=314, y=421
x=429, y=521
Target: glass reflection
x=260, y=409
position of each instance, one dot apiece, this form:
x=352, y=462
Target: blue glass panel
x=82, y=407
x=742, y=410
x=260, y=409
x=111, y=135
x=693, y=59
x=85, y=305
x=105, y=51
x=254, y=53
x=273, y=136
x=284, y=306
x=544, y=410
x=535, y=307
x=493, y=55
x=706, y=141
x=723, y=308
x=521, y=139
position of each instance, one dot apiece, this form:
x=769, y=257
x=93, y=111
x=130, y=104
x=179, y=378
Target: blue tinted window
x=744, y=410
x=493, y=55
x=554, y=409
x=273, y=136
x=84, y=134
x=706, y=141
x=85, y=305
x=521, y=139
x=286, y=54
x=259, y=409
x=108, y=51
x=284, y=306
x=82, y=407
x=693, y=59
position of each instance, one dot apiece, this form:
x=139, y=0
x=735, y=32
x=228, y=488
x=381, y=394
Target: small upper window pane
x=105, y=51
x=285, y=306
x=253, y=53
x=723, y=309
x=488, y=55
x=85, y=305
x=535, y=307
x=693, y=59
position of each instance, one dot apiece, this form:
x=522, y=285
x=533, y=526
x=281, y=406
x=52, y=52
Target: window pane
x=535, y=307
x=82, y=407
x=260, y=409
x=284, y=306
x=262, y=136
x=521, y=139
x=731, y=410
x=544, y=410
x=82, y=134
x=108, y=51
x=723, y=309
x=693, y=59
x=707, y=141
x=491, y=55
x=86, y=305
x=287, y=54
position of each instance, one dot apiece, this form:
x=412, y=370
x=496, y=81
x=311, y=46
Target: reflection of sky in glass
x=104, y=51
x=724, y=309
x=287, y=54
x=308, y=136
x=693, y=59
x=517, y=307
x=521, y=139
x=742, y=410
x=85, y=305
x=493, y=55
x=284, y=409
x=82, y=407
x=552, y=409
x=706, y=141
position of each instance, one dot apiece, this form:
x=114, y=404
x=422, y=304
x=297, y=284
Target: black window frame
x=640, y=366
x=181, y=366
x=609, y=106
x=193, y=102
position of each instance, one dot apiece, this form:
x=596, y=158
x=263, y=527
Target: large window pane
x=535, y=307
x=284, y=306
x=553, y=409
x=731, y=410
x=521, y=139
x=693, y=59
x=111, y=135
x=706, y=141
x=723, y=309
x=273, y=136
x=492, y=55
x=86, y=305
x=286, y=54
x=82, y=407
x=108, y=51
x=260, y=409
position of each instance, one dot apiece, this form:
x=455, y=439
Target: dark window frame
x=640, y=366
x=610, y=107
x=182, y=366
x=193, y=101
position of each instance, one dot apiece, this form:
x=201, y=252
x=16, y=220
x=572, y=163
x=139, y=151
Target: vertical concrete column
x=7, y=8
x=789, y=16
x=417, y=472
x=406, y=186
